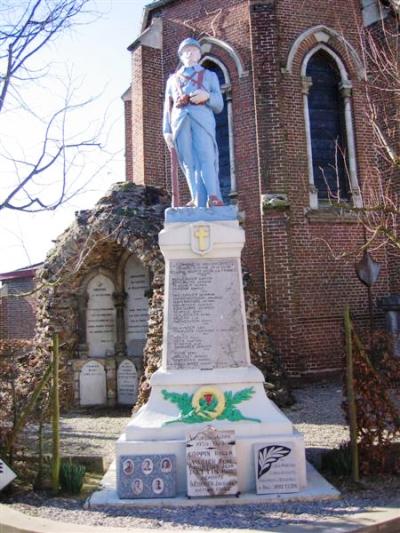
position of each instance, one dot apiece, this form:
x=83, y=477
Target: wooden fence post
x=55, y=467
x=351, y=403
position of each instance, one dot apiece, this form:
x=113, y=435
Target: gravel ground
x=317, y=414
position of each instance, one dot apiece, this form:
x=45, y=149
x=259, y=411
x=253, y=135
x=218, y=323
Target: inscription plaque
x=127, y=383
x=137, y=307
x=211, y=463
x=100, y=326
x=206, y=329
x=147, y=476
x=276, y=468
x=92, y=384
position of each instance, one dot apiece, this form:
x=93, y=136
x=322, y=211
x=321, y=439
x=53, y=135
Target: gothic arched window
x=224, y=132
x=329, y=129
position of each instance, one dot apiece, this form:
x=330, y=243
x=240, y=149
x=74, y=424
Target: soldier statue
x=192, y=97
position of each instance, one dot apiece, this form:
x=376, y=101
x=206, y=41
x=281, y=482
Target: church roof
x=151, y=7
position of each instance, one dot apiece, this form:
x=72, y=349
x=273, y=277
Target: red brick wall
x=128, y=139
x=287, y=252
x=147, y=161
x=154, y=162
x=17, y=314
x=137, y=117
x=3, y=317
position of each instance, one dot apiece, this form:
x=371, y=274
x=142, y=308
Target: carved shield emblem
x=201, y=242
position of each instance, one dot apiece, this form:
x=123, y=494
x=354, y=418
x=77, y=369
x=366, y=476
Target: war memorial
x=208, y=429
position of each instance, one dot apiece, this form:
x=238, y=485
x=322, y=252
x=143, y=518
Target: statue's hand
x=199, y=97
x=169, y=140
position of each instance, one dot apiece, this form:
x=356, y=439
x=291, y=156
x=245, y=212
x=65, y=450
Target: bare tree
x=379, y=214
x=381, y=206
x=48, y=176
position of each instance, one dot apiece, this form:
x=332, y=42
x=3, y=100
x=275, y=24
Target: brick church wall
x=306, y=287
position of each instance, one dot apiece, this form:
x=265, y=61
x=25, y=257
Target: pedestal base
x=317, y=489
x=153, y=430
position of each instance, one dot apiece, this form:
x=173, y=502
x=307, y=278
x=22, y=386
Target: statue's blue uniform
x=193, y=130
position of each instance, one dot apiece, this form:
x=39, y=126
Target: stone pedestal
x=206, y=377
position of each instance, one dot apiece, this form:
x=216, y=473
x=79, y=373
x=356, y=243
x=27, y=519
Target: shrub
x=338, y=460
x=71, y=477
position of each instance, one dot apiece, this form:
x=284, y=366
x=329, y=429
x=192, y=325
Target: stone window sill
x=331, y=215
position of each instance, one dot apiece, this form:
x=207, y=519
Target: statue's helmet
x=188, y=42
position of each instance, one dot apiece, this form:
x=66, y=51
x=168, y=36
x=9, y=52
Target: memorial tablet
x=127, y=383
x=137, y=306
x=92, y=384
x=147, y=476
x=211, y=463
x=100, y=316
x=276, y=468
x=206, y=327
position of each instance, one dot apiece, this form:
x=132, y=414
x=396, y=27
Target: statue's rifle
x=174, y=178
x=174, y=170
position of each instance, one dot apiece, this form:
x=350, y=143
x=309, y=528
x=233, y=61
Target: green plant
x=338, y=461
x=71, y=477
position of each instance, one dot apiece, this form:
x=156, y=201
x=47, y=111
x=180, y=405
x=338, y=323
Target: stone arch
x=341, y=66
x=222, y=66
x=93, y=273
x=209, y=44
x=125, y=222
x=316, y=35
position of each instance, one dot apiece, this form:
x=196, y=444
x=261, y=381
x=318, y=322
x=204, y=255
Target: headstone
x=211, y=463
x=92, y=384
x=137, y=306
x=127, y=383
x=206, y=325
x=6, y=474
x=276, y=470
x=100, y=317
x=147, y=476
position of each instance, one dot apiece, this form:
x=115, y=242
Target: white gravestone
x=276, y=468
x=92, y=384
x=211, y=463
x=100, y=317
x=206, y=327
x=137, y=307
x=6, y=474
x=127, y=383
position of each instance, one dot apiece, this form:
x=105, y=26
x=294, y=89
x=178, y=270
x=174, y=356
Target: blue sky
x=95, y=57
